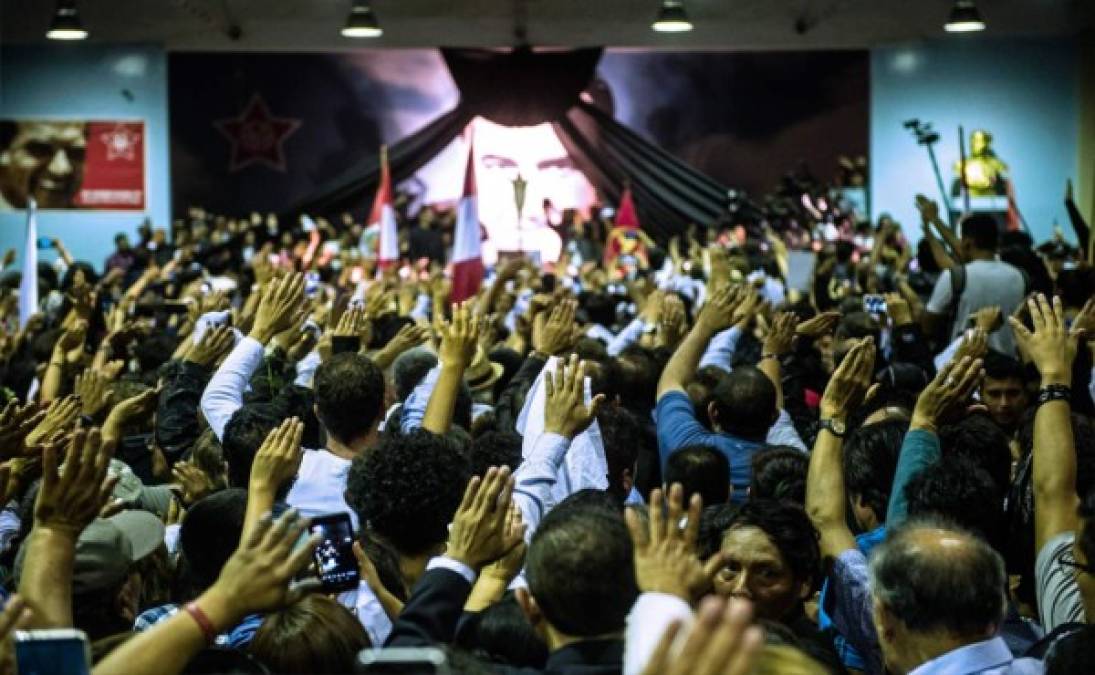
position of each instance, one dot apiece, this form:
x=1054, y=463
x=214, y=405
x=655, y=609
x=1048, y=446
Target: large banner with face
x=72, y=164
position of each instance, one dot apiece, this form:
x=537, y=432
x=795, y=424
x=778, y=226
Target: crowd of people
x=686, y=467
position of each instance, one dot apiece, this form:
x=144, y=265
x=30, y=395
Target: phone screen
x=45, y=652
x=334, y=554
x=874, y=304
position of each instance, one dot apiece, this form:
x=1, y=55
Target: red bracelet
x=203, y=622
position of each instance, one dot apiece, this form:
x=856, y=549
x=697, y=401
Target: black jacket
x=436, y=605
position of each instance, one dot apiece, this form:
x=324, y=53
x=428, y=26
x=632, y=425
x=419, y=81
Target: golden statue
x=985, y=173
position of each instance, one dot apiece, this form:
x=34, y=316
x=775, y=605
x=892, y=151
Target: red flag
x=627, y=219
x=383, y=215
x=467, y=253
x=1014, y=223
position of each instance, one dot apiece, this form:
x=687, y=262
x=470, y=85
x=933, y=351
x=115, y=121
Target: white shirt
x=320, y=486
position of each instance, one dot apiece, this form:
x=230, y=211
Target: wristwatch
x=834, y=426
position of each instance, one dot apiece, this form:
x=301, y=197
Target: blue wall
x=87, y=81
x=1026, y=92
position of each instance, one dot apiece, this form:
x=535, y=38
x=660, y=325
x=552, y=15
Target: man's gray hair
x=935, y=576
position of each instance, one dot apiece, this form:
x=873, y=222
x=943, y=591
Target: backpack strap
x=958, y=285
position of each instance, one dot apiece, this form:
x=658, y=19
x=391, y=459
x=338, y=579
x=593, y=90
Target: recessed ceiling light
x=672, y=18
x=362, y=22
x=964, y=18
x=66, y=23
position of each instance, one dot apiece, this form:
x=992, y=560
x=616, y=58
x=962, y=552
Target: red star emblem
x=121, y=143
x=257, y=136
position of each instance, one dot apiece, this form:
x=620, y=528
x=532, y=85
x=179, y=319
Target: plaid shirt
x=240, y=636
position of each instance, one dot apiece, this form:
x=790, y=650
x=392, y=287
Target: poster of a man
x=72, y=164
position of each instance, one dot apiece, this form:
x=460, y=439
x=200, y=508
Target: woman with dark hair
x=313, y=635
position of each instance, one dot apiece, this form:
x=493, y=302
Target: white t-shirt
x=988, y=283
x=1059, y=599
x=320, y=486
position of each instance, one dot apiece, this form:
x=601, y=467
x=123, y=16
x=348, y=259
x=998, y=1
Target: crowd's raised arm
x=272, y=453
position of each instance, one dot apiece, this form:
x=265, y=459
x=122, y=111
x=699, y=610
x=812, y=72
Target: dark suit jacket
x=434, y=608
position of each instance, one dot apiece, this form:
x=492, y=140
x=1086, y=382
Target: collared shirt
x=647, y=621
x=849, y=605
x=678, y=427
x=991, y=657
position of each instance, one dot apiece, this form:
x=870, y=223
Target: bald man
x=939, y=596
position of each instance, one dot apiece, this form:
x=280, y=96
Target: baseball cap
x=107, y=549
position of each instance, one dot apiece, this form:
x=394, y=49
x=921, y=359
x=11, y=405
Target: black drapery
x=526, y=88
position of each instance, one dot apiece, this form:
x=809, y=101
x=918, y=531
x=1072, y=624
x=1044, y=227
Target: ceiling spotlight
x=66, y=23
x=362, y=22
x=672, y=18
x=964, y=18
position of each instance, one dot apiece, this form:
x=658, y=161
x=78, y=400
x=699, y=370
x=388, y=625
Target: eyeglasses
x=1068, y=559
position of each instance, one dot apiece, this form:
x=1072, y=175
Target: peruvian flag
x=383, y=216
x=467, y=253
x=627, y=220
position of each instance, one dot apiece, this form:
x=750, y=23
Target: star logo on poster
x=257, y=136
x=121, y=143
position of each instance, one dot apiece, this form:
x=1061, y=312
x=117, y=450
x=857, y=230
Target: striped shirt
x=1059, y=600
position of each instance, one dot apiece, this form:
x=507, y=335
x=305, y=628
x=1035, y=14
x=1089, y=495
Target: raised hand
x=16, y=424
x=122, y=414
x=60, y=414
x=479, y=528
x=898, y=309
x=565, y=410
x=279, y=307
x=720, y=642
x=781, y=335
x=257, y=577
x=988, y=319
x=195, y=483
x=70, y=347
x=665, y=551
x=214, y=344
x=672, y=323
x=821, y=324
x=720, y=311
x=91, y=388
x=950, y=388
x=552, y=332
x=1050, y=346
x=70, y=499
x=929, y=210
x=850, y=384
x=459, y=338
x=279, y=458
x=975, y=344
x=509, y=565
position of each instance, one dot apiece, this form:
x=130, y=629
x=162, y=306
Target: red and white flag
x=467, y=250
x=383, y=216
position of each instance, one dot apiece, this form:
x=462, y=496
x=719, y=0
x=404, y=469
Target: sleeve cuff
x=444, y=562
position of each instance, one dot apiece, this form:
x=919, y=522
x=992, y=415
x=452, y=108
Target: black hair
x=349, y=395
x=962, y=593
x=977, y=438
x=634, y=378
x=243, y=436
x=580, y=570
x=408, y=488
x=745, y=402
x=1002, y=367
x=1073, y=654
x=785, y=523
x=408, y=370
x=857, y=325
x=210, y=534
x=154, y=351
x=779, y=472
x=1075, y=287
x=700, y=469
x=502, y=634
x=958, y=489
x=982, y=230
x=494, y=448
x=870, y=461
x=625, y=441
x=1025, y=259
